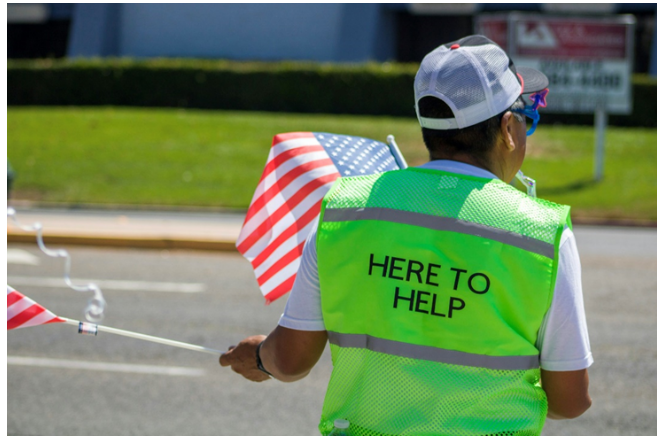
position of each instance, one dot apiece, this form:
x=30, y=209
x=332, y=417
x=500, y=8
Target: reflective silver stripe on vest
x=430, y=353
x=441, y=224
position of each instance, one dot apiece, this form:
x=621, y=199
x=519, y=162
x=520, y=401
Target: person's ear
x=507, y=130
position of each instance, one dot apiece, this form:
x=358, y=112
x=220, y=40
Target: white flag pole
x=92, y=329
x=394, y=148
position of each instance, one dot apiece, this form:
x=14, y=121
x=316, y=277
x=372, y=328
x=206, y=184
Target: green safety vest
x=434, y=286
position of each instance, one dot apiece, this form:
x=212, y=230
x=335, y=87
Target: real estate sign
x=588, y=60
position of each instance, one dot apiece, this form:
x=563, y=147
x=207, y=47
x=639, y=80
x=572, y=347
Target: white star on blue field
x=354, y=156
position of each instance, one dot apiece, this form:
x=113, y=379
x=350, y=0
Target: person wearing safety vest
x=452, y=302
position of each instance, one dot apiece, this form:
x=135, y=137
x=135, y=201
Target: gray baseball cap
x=475, y=78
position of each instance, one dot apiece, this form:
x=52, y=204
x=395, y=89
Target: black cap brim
x=534, y=80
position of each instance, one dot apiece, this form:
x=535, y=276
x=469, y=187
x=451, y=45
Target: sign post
x=601, y=122
x=587, y=60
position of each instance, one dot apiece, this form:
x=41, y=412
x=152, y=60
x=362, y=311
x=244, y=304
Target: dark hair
x=476, y=140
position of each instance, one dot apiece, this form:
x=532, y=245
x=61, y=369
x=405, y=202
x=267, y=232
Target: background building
x=332, y=32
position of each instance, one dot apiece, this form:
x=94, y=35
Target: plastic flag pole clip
x=94, y=311
x=23, y=312
x=529, y=183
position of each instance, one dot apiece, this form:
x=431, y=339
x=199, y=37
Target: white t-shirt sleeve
x=303, y=310
x=563, y=339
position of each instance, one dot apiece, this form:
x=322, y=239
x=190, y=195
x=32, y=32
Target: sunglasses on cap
x=539, y=100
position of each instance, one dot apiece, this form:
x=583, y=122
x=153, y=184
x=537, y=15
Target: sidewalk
x=129, y=228
x=132, y=228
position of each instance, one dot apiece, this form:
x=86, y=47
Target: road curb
x=176, y=243
x=124, y=242
x=639, y=223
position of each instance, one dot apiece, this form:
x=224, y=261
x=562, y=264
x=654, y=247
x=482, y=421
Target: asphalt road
x=62, y=383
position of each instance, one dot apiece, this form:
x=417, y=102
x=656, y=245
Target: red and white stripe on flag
x=23, y=312
x=284, y=209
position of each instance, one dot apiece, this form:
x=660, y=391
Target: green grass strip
x=215, y=158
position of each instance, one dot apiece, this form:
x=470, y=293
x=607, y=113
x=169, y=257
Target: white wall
x=233, y=31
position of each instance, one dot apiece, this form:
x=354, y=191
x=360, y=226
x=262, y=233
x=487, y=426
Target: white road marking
x=21, y=257
x=124, y=285
x=107, y=367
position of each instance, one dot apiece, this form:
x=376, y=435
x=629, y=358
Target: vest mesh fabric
x=384, y=394
x=446, y=399
x=453, y=196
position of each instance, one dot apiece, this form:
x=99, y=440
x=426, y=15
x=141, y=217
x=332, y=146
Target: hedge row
x=369, y=89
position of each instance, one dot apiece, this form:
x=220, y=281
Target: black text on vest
x=415, y=271
x=427, y=303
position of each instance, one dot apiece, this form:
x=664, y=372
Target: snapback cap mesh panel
x=427, y=69
x=475, y=81
x=459, y=81
x=503, y=83
x=422, y=82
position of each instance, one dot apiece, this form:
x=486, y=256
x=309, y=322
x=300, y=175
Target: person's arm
x=288, y=354
x=294, y=347
x=567, y=393
x=563, y=340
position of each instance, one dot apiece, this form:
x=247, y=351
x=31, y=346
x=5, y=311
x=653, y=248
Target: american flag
x=300, y=169
x=23, y=312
